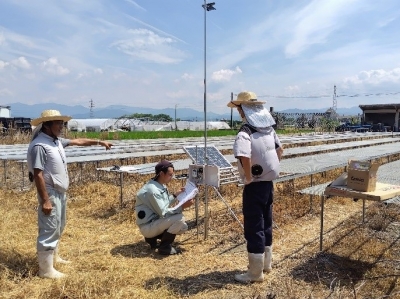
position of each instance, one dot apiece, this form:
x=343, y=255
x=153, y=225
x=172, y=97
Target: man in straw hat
x=47, y=165
x=258, y=150
x=155, y=215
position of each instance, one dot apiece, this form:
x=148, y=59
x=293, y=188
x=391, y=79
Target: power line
x=328, y=96
x=369, y=94
x=294, y=97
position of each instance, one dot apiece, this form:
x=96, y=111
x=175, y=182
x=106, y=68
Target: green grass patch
x=149, y=134
x=164, y=134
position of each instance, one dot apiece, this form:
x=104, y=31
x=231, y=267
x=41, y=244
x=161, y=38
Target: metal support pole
x=23, y=175
x=121, y=182
x=321, y=232
x=363, y=212
x=311, y=196
x=97, y=172
x=197, y=203
x=228, y=207
x=205, y=124
x=206, y=6
x=5, y=172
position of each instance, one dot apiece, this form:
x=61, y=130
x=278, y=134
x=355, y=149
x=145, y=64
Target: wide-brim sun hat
x=49, y=115
x=245, y=98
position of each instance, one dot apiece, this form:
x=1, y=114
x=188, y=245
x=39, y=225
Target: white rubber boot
x=58, y=259
x=268, y=259
x=46, y=269
x=255, y=270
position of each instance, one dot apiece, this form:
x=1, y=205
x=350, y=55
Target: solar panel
x=214, y=156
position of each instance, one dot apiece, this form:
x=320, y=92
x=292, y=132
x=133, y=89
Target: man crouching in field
x=154, y=214
x=47, y=165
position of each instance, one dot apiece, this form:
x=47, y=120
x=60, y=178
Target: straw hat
x=49, y=115
x=245, y=97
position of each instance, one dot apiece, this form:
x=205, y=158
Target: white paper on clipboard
x=189, y=193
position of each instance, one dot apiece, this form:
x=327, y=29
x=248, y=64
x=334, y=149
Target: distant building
x=385, y=114
x=331, y=113
x=5, y=111
x=8, y=123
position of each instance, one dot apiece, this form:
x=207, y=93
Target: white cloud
x=146, y=45
x=22, y=63
x=52, y=66
x=178, y=94
x=96, y=71
x=292, y=88
x=61, y=85
x=5, y=92
x=386, y=22
x=144, y=37
x=3, y=64
x=225, y=75
x=316, y=22
x=2, y=39
x=375, y=77
x=135, y=4
x=187, y=76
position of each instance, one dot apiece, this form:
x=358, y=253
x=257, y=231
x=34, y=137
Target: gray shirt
x=39, y=154
x=47, y=154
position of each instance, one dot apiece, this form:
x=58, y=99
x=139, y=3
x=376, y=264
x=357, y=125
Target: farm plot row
x=84, y=168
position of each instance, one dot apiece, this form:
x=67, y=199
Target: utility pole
x=176, y=128
x=334, y=104
x=231, y=111
x=91, y=106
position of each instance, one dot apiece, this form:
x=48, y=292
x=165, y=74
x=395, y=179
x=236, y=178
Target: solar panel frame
x=214, y=156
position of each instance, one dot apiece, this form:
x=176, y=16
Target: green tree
x=329, y=124
x=149, y=117
x=162, y=117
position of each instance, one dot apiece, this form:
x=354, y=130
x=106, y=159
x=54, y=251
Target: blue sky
x=150, y=53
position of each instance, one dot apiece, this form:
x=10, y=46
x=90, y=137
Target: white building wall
x=5, y=111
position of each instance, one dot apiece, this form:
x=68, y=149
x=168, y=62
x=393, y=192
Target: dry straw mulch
x=111, y=260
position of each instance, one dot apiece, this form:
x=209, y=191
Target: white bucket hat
x=49, y=115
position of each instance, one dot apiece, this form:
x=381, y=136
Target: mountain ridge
x=115, y=111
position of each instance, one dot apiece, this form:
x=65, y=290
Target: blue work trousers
x=257, y=212
x=51, y=226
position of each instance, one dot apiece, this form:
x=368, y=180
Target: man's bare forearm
x=246, y=164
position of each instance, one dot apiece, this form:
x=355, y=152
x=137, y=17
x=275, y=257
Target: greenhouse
x=126, y=124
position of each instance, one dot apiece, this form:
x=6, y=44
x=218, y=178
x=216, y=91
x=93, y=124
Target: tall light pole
x=207, y=7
